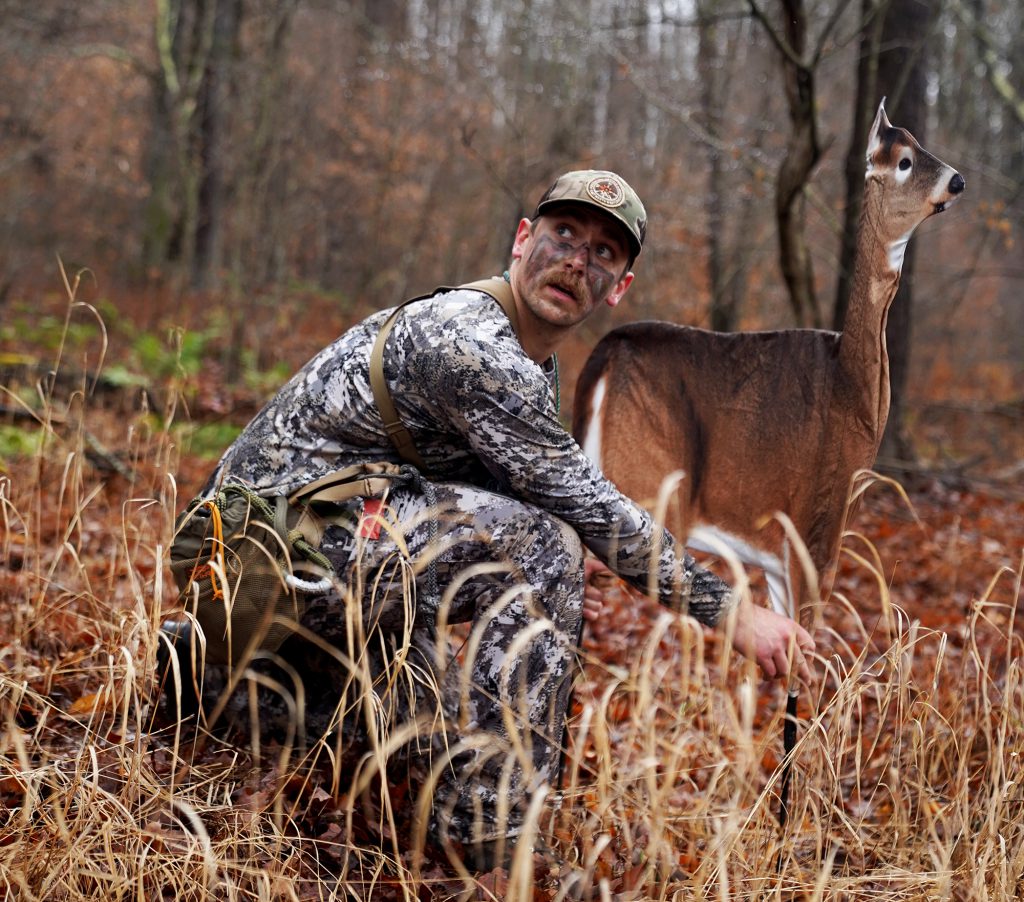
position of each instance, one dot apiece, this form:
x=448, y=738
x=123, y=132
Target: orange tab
x=369, y=523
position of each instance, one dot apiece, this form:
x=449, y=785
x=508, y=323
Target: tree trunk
x=158, y=216
x=382, y=22
x=723, y=316
x=802, y=154
x=212, y=111
x=183, y=35
x=865, y=106
x=902, y=77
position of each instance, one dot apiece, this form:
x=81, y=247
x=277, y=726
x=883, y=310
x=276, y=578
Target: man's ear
x=522, y=236
x=619, y=290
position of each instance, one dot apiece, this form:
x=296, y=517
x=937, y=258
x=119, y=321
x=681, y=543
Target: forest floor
x=906, y=776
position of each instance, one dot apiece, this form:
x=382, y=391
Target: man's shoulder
x=472, y=295
x=469, y=310
x=465, y=333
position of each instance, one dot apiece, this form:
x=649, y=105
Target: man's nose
x=579, y=256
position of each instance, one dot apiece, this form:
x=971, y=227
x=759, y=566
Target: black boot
x=184, y=703
x=483, y=857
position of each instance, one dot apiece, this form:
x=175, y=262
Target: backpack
x=245, y=565
x=243, y=562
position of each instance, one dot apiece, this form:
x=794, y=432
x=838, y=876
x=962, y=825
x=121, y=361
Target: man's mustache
x=573, y=285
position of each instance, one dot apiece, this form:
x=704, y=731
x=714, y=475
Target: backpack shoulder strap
x=498, y=288
x=358, y=480
x=393, y=424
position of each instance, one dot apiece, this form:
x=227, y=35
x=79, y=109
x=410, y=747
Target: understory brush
x=906, y=775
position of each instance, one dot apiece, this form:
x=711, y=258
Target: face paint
x=551, y=252
x=565, y=265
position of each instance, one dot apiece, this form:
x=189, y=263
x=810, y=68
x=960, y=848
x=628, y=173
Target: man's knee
x=540, y=543
x=566, y=550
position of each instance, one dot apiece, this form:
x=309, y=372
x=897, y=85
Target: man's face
x=570, y=259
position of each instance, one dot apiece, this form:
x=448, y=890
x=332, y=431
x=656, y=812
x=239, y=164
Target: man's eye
x=605, y=252
x=563, y=231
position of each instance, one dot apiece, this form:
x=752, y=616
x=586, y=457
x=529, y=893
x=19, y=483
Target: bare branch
x=994, y=62
x=826, y=32
x=784, y=47
x=166, y=21
x=877, y=8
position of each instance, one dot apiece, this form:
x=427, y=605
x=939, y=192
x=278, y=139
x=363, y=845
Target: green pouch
x=231, y=565
x=242, y=563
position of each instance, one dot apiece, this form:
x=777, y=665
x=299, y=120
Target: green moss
x=208, y=440
x=17, y=441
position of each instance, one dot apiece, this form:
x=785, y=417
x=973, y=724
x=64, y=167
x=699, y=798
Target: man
x=494, y=535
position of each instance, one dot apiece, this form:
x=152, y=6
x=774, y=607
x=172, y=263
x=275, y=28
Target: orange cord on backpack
x=218, y=539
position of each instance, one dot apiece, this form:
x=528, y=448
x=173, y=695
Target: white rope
x=308, y=587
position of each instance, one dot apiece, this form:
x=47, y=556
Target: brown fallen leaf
x=86, y=704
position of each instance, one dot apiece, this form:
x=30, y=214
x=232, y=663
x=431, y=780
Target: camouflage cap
x=606, y=191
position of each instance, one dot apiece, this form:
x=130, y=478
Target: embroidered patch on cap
x=607, y=191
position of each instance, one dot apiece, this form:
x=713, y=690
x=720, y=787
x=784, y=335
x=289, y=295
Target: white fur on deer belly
x=592, y=439
x=712, y=540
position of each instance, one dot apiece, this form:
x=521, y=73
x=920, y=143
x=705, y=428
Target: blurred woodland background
x=262, y=172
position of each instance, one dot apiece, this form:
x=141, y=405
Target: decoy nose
x=957, y=184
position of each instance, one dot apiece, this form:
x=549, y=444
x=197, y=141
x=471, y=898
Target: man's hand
x=596, y=579
x=772, y=640
x=760, y=634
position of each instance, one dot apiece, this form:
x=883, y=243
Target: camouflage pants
x=485, y=719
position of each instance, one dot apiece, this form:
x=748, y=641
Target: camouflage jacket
x=480, y=411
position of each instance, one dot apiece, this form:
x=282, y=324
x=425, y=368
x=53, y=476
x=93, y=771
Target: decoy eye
x=905, y=163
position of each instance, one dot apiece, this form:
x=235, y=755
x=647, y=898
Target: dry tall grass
x=907, y=774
